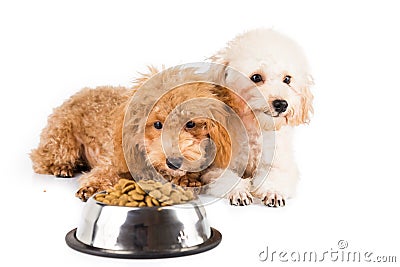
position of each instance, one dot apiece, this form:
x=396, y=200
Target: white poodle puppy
x=279, y=69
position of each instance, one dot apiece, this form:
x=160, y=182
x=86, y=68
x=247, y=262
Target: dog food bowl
x=143, y=233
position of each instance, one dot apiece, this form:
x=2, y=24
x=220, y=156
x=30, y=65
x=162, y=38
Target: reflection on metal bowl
x=147, y=232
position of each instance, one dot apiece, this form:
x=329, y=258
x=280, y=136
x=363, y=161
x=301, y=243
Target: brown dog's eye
x=256, y=78
x=190, y=124
x=287, y=79
x=158, y=125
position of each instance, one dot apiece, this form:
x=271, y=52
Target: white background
x=348, y=155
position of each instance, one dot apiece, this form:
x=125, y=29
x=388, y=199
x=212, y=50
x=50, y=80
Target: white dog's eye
x=158, y=125
x=256, y=78
x=287, y=79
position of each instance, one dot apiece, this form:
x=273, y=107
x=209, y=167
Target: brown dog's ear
x=145, y=76
x=223, y=145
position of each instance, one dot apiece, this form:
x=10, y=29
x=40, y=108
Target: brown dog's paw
x=85, y=192
x=63, y=171
x=189, y=180
x=189, y=183
x=273, y=199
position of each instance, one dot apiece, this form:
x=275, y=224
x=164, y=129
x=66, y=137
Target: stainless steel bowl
x=147, y=232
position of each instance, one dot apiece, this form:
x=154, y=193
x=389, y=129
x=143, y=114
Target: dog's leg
x=225, y=183
x=276, y=187
x=98, y=179
x=59, y=152
x=277, y=175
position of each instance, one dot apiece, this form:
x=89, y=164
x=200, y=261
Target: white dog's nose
x=280, y=105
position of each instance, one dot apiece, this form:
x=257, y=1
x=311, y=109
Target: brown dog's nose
x=280, y=105
x=174, y=163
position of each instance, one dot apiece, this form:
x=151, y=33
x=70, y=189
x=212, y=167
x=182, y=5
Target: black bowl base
x=74, y=243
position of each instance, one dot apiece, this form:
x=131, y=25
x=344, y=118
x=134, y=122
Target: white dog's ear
x=237, y=81
x=306, y=100
x=220, y=57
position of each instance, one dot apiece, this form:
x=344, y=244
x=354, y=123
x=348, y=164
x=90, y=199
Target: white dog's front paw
x=240, y=198
x=240, y=195
x=273, y=199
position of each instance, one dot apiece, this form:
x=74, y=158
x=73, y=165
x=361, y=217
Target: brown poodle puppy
x=116, y=132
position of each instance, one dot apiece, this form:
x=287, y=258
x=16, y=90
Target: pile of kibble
x=145, y=193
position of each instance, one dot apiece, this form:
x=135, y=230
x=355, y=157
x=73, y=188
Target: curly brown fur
x=88, y=129
x=78, y=132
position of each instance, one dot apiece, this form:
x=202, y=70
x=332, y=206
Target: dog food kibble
x=133, y=194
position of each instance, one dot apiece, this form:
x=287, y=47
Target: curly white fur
x=273, y=57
